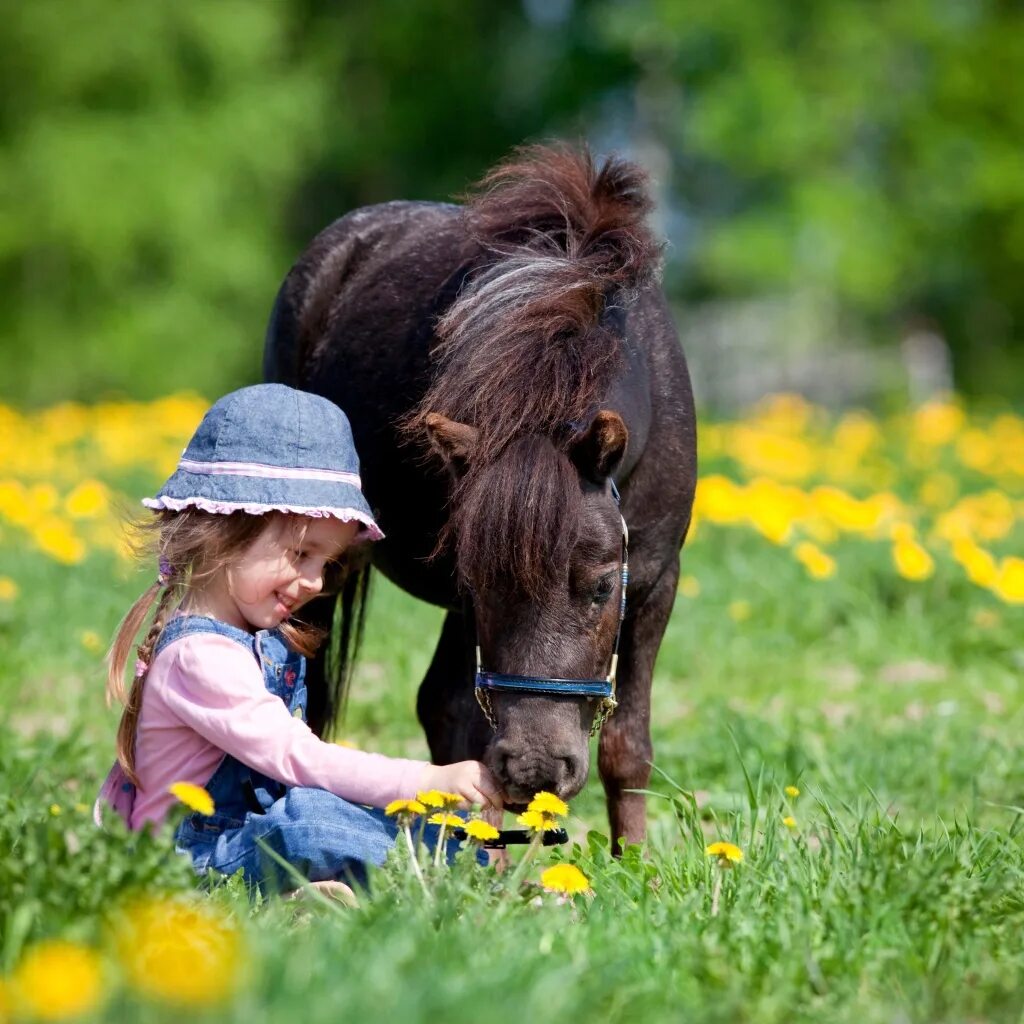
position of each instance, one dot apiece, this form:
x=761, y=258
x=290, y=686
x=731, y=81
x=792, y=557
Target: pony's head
x=539, y=546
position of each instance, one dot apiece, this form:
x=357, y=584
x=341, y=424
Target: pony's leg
x=624, y=750
x=453, y=722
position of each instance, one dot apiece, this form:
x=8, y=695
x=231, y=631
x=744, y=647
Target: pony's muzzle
x=522, y=772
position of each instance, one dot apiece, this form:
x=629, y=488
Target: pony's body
x=356, y=321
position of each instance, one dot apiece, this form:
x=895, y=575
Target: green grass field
x=888, y=694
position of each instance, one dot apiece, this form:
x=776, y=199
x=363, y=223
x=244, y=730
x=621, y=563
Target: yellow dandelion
x=57, y=980
x=789, y=821
x=445, y=819
x=912, y=561
x=194, y=797
x=727, y=853
x=402, y=808
x=689, y=586
x=437, y=798
x=481, y=831
x=548, y=803
x=538, y=821
x=791, y=791
x=89, y=500
x=979, y=564
x=179, y=951
x=902, y=532
x=1009, y=586
x=719, y=500
x=819, y=565
x=937, y=422
x=55, y=810
x=846, y=512
x=91, y=641
x=565, y=878
x=8, y=589
x=56, y=538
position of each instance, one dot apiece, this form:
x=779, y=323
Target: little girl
x=265, y=497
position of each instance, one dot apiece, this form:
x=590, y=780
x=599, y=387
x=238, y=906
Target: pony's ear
x=599, y=451
x=453, y=441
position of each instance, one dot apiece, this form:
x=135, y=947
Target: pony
x=524, y=416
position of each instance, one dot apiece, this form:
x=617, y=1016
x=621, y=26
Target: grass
x=894, y=706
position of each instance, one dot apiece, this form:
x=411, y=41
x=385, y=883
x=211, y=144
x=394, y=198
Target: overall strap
x=186, y=625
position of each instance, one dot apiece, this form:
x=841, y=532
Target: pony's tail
x=162, y=595
x=523, y=348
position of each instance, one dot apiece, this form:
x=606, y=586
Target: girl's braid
x=145, y=649
x=169, y=589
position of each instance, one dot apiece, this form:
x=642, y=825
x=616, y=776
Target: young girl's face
x=282, y=570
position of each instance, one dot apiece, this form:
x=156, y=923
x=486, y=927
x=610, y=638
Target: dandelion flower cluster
x=543, y=812
x=804, y=480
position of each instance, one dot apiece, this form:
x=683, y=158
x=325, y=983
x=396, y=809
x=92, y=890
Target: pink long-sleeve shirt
x=204, y=697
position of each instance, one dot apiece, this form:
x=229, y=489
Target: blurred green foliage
x=870, y=150
x=162, y=164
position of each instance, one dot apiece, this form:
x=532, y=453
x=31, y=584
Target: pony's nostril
x=500, y=761
x=567, y=768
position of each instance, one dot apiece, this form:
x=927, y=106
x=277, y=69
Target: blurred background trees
x=847, y=174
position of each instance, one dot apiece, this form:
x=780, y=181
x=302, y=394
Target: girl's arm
x=215, y=687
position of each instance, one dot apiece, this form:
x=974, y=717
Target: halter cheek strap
x=592, y=689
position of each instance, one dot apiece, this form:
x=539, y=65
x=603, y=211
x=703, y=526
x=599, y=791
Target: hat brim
x=222, y=495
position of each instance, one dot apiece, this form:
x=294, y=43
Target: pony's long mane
x=522, y=350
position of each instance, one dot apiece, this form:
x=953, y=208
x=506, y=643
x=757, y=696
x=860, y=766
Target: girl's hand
x=470, y=779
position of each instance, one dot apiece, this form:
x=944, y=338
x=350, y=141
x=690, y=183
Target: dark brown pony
x=525, y=341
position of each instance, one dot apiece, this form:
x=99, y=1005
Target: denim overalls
x=320, y=835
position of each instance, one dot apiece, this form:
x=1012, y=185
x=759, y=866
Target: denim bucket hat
x=271, y=448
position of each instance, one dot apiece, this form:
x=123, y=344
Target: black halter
x=593, y=689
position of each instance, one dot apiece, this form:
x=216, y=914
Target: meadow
x=838, y=696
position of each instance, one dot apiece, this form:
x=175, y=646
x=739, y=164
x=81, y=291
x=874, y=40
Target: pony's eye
x=604, y=588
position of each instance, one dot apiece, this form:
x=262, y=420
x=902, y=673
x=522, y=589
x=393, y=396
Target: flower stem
x=715, y=893
x=524, y=862
x=415, y=860
x=439, y=847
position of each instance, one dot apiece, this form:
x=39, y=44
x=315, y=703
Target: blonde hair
x=192, y=546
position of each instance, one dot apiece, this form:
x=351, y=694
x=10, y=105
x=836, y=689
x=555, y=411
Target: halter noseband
x=592, y=689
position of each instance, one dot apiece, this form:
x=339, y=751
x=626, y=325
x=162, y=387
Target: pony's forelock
x=516, y=519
